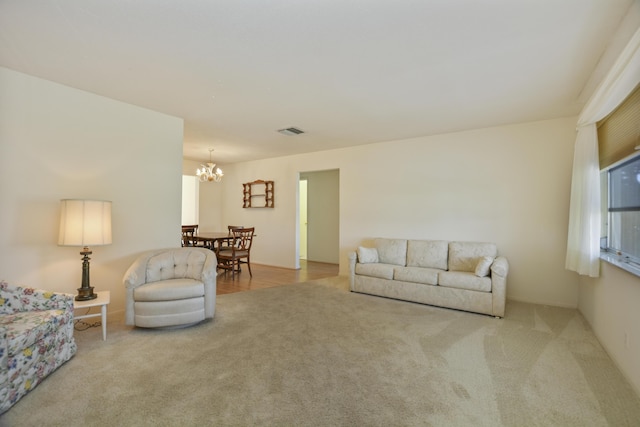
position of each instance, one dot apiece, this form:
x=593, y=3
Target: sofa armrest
x=353, y=259
x=500, y=267
x=4, y=365
x=4, y=356
x=135, y=276
x=210, y=278
x=14, y=299
x=499, y=271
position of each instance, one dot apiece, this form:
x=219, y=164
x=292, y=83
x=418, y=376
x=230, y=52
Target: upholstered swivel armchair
x=171, y=287
x=36, y=337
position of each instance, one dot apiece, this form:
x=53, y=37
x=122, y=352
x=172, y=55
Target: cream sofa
x=467, y=276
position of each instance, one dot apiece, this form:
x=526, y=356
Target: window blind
x=619, y=132
x=625, y=186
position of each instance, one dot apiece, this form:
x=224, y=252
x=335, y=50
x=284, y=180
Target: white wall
x=57, y=142
x=610, y=305
x=509, y=185
x=610, y=302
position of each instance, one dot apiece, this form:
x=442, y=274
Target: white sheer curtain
x=583, y=242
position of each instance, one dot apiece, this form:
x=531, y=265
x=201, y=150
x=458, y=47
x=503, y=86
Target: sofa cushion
x=169, y=290
x=483, y=267
x=170, y=308
x=392, y=251
x=464, y=256
x=427, y=276
x=427, y=253
x=24, y=328
x=382, y=271
x=367, y=255
x=464, y=280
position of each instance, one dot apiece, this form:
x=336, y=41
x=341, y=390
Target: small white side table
x=104, y=297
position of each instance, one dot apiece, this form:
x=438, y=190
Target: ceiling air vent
x=291, y=131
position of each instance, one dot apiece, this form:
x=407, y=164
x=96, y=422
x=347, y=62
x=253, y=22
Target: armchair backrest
x=184, y=264
x=173, y=263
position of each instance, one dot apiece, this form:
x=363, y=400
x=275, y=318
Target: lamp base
x=86, y=294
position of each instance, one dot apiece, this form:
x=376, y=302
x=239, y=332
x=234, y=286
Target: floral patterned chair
x=36, y=337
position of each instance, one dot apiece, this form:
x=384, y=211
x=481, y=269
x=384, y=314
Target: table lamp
x=85, y=223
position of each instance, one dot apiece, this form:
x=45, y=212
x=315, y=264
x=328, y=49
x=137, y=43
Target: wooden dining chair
x=239, y=252
x=187, y=234
x=188, y=231
x=227, y=244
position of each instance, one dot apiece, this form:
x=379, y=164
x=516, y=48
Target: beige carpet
x=314, y=354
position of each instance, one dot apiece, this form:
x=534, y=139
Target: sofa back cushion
x=427, y=253
x=464, y=256
x=392, y=251
x=367, y=255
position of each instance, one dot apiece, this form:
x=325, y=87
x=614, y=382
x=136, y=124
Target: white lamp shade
x=85, y=223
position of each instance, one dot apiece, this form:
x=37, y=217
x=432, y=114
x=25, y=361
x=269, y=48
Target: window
x=620, y=184
x=623, y=209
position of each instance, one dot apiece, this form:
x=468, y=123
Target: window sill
x=620, y=262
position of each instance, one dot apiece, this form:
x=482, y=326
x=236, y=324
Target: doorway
x=190, y=200
x=303, y=218
x=319, y=217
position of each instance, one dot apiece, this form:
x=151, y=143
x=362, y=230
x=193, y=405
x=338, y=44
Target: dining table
x=212, y=239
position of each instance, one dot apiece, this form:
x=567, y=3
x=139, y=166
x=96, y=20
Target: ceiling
x=347, y=72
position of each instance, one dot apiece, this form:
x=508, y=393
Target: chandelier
x=209, y=172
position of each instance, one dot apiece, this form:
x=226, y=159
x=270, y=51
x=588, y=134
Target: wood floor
x=267, y=277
